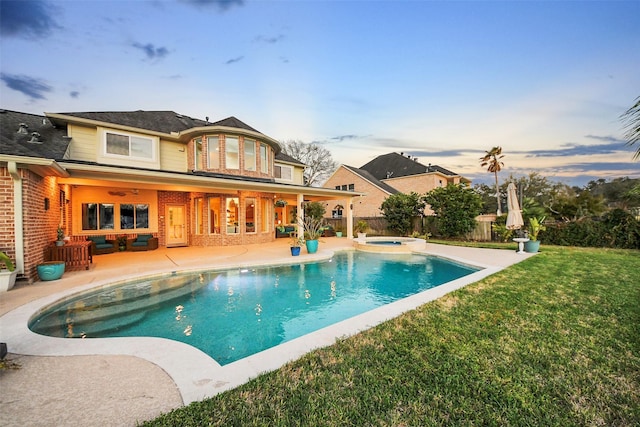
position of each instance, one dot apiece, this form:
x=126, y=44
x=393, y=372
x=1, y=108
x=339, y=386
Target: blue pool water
x=235, y=313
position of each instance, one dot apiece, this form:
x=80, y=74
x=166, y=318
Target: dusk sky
x=442, y=81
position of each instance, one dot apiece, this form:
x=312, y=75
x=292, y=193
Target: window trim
x=154, y=142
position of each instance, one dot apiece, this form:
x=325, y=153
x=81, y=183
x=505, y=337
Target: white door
x=175, y=229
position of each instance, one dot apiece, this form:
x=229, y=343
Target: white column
x=300, y=217
x=349, y=218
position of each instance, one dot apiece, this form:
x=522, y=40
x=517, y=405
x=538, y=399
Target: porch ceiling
x=107, y=176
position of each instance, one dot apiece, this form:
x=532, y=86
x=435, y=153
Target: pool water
x=233, y=314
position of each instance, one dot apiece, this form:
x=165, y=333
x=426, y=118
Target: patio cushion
x=99, y=240
x=104, y=245
x=143, y=238
x=138, y=243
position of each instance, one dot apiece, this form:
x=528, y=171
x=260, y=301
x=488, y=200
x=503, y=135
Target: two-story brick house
x=184, y=180
x=383, y=176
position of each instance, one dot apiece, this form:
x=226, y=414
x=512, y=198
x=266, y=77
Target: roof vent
x=35, y=138
x=23, y=129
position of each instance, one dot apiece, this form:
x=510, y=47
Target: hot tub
x=390, y=244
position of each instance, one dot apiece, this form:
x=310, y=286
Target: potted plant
x=536, y=225
x=295, y=243
x=60, y=240
x=122, y=242
x=312, y=232
x=8, y=274
x=361, y=229
x=339, y=230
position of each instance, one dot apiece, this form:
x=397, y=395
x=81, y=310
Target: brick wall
x=365, y=206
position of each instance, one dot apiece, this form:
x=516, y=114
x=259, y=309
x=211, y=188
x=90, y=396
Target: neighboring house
x=383, y=176
x=188, y=182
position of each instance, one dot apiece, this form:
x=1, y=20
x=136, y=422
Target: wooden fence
x=378, y=227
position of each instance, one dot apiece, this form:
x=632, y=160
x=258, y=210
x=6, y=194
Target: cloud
x=74, y=94
x=269, y=40
x=234, y=60
x=612, y=146
x=222, y=5
x=602, y=166
x=27, y=19
x=29, y=86
x=151, y=51
x=342, y=138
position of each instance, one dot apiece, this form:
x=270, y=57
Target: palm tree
x=493, y=163
x=631, y=119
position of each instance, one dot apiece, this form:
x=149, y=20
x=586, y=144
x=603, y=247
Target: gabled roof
x=158, y=121
x=394, y=165
x=372, y=179
x=17, y=136
x=166, y=124
x=288, y=159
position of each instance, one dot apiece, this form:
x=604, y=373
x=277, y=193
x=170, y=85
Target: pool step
x=111, y=309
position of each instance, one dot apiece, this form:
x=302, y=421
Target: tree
x=492, y=160
x=314, y=210
x=631, y=120
x=318, y=160
x=455, y=207
x=399, y=210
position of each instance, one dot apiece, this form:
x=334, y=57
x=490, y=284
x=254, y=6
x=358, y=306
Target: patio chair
x=100, y=245
x=144, y=242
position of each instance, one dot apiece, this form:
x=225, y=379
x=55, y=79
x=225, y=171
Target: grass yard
x=552, y=341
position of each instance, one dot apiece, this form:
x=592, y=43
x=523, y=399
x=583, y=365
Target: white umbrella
x=514, y=217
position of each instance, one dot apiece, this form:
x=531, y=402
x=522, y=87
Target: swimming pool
x=236, y=313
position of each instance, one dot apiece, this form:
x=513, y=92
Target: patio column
x=349, y=218
x=299, y=202
x=18, y=217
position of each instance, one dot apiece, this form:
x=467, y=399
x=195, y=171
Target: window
x=249, y=155
x=352, y=187
x=129, y=146
x=214, y=215
x=250, y=215
x=134, y=216
x=264, y=161
x=199, y=215
x=97, y=216
x=213, y=151
x=265, y=205
x=232, y=215
x=197, y=143
x=232, y=152
x=285, y=173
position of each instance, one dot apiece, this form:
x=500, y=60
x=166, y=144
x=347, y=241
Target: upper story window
x=249, y=155
x=232, y=152
x=345, y=187
x=285, y=173
x=131, y=146
x=213, y=151
x=264, y=160
x=198, y=153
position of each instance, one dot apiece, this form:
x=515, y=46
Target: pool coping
x=179, y=359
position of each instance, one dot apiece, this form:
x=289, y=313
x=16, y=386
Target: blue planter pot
x=295, y=250
x=532, y=246
x=312, y=246
x=52, y=270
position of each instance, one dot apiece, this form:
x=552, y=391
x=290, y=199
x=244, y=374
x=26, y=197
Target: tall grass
x=554, y=340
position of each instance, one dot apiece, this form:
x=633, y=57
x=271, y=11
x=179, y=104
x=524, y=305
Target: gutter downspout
x=18, y=222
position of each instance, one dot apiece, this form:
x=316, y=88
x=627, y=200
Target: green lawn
x=552, y=341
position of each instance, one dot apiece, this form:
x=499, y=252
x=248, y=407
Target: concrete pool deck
x=121, y=381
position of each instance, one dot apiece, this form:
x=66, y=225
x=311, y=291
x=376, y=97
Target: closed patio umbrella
x=514, y=217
